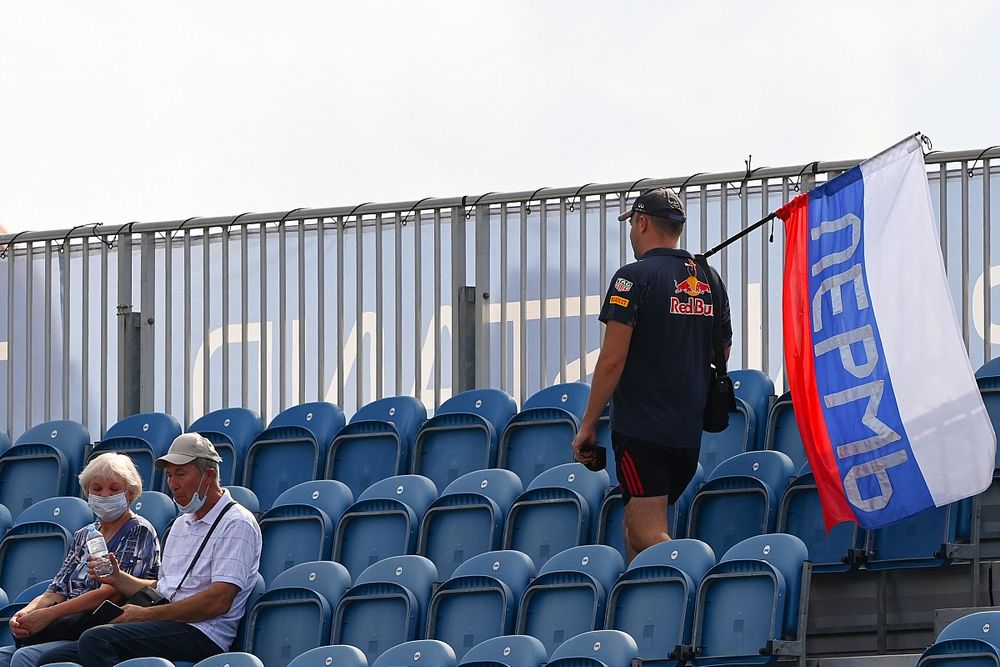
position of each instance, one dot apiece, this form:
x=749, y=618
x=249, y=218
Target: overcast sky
x=115, y=111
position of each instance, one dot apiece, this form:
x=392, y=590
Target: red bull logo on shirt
x=693, y=306
x=692, y=287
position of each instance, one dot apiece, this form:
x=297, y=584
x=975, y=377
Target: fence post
x=128, y=333
x=465, y=362
x=147, y=301
x=483, y=360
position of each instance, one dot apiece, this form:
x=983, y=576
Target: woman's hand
x=35, y=621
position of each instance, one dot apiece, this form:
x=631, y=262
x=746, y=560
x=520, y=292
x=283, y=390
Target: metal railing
x=427, y=298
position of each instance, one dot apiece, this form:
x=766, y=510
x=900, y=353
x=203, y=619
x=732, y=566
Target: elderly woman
x=110, y=482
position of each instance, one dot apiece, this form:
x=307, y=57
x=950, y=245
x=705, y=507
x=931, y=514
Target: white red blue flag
x=883, y=389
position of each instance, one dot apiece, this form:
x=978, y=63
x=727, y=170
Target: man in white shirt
x=207, y=600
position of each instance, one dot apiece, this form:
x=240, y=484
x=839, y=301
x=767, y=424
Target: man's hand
x=584, y=445
x=132, y=613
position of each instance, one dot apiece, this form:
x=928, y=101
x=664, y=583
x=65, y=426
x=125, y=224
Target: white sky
x=115, y=111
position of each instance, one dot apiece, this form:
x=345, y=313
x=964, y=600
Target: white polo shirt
x=232, y=555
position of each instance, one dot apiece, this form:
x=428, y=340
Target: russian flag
x=883, y=389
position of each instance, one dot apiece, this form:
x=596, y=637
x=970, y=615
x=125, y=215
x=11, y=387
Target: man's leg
x=29, y=656
x=645, y=524
x=107, y=645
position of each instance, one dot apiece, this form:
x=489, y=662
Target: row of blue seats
x=672, y=597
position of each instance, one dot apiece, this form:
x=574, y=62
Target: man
x=654, y=367
x=205, y=606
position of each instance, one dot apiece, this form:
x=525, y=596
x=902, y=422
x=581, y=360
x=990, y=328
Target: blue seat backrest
x=235, y=427
x=757, y=389
x=801, y=515
x=737, y=438
x=156, y=428
x=771, y=467
x=494, y=405
x=329, y=495
x=157, y=508
x=340, y=655
x=693, y=557
x=5, y=521
x=989, y=370
x=245, y=497
x=324, y=420
x=591, y=485
x=513, y=568
x=66, y=511
x=231, y=659
x=783, y=431
x=513, y=650
x=67, y=436
x=4, y=441
x=611, y=647
x=417, y=653
x=414, y=491
x=603, y=563
x=989, y=389
x=328, y=579
x=68, y=441
x=406, y=413
x=501, y=486
x=787, y=554
x=677, y=510
x=984, y=625
x=570, y=396
x=31, y=592
x=414, y=573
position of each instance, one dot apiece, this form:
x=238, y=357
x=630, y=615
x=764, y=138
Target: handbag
x=721, y=399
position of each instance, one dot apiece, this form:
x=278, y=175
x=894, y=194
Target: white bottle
x=98, y=549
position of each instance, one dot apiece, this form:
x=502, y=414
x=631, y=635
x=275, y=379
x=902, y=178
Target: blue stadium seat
x=757, y=389
x=468, y=518
x=145, y=662
x=300, y=526
x=240, y=641
x=291, y=450
x=417, y=653
x=245, y=497
x=42, y=463
x=294, y=613
x=8, y=609
x=783, y=431
x=739, y=499
x=931, y=538
x=157, y=508
x=338, y=655
x=989, y=388
x=386, y=605
x=653, y=600
x=383, y=522
x=36, y=545
x=736, y=439
x=376, y=443
x=480, y=599
x=462, y=436
x=235, y=659
x=506, y=651
x=598, y=648
x=539, y=436
x=555, y=512
x=144, y=437
x=231, y=430
x=5, y=521
x=752, y=599
x=609, y=528
x=989, y=371
x=801, y=515
x=569, y=593
x=969, y=641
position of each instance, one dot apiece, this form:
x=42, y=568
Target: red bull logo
x=692, y=287
x=693, y=306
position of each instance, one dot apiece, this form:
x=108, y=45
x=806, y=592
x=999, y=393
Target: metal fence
x=426, y=298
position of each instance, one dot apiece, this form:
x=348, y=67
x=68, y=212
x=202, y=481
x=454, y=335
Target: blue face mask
x=197, y=500
x=108, y=508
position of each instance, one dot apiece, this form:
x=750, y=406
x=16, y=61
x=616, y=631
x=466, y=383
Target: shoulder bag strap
x=202, y=547
x=718, y=348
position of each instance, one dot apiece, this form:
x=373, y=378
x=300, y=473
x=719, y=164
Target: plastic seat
x=801, y=515
x=739, y=499
x=338, y=655
x=783, y=432
x=480, y=599
x=736, y=439
x=555, y=512
x=569, y=594
x=539, y=436
x=468, y=518
x=752, y=597
x=386, y=605
x=417, y=653
x=989, y=371
x=240, y=641
x=757, y=389
x=291, y=450
x=145, y=662
x=927, y=539
x=231, y=430
x=462, y=436
x=377, y=442
x=245, y=497
x=383, y=522
x=231, y=660
x=299, y=527
x=5, y=521
x=41, y=464
x=8, y=609
x=36, y=545
x=678, y=510
x=607, y=648
x=144, y=437
x=294, y=613
x=506, y=651
x=969, y=641
x=653, y=600
x=157, y=508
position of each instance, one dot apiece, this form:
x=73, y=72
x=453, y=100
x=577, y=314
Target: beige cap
x=186, y=448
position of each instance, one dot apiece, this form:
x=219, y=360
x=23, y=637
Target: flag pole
x=732, y=239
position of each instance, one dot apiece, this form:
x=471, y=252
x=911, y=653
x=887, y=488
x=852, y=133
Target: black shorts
x=647, y=470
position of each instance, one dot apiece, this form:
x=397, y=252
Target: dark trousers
x=107, y=645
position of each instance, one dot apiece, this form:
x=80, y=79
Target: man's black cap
x=661, y=203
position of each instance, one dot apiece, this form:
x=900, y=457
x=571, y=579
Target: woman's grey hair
x=114, y=466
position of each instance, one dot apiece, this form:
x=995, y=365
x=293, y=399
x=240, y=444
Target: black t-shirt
x=667, y=300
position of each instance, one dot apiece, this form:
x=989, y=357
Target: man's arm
x=214, y=601
x=607, y=373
